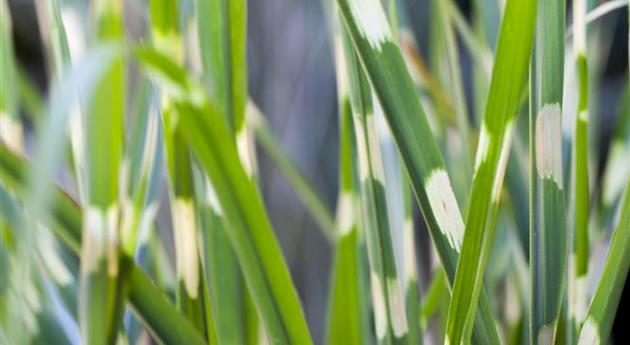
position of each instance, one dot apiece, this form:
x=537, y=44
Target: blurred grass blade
x=478, y=49
x=66, y=217
x=49, y=15
x=580, y=248
x=601, y=313
x=250, y=232
x=453, y=82
x=10, y=124
x=101, y=293
x=384, y=65
x=387, y=295
x=508, y=78
x=143, y=167
x=346, y=310
x=412, y=285
x=167, y=38
x=221, y=29
x=618, y=163
x=305, y=191
x=598, y=12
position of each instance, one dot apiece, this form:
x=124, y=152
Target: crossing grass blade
x=346, y=311
x=103, y=270
x=614, y=176
x=49, y=15
x=508, y=79
x=580, y=251
x=208, y=134
x=39, y=308
x=601, y=312
x=305, y=190
x=453, y=82
x=221, y=29
x=167, y=39
x=390, y=316
x=11, y=128
x=412, y=284
x=478, y=48
x=548, y=225
x=386, y=71
x=66, y=219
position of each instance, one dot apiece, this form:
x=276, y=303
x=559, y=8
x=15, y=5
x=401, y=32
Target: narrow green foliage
x=305, y=191
x=59, y=51
x=101, y=294
x=453, y=82
x=11, y=128
x=144, y=107
x=66, y=218
x=221, y=28
x=601, y=313
x=167, y=39
x=344, y=319
x=250, y=232
x=548, y=247
x=346, y=310
x=412, y=285
x=580, y=252
x=387, y=294
x=386, y=71
x=617, y=164
x=508, y=79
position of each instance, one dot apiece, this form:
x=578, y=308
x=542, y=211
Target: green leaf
x=386, y=71
x=167, y=38
x=508, y=79
x=11, y=129
x=148, y=302
x=601, y=313
x=387, y=294
x=249, y=229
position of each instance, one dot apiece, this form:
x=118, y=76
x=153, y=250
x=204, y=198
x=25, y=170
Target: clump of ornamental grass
x=506, y=186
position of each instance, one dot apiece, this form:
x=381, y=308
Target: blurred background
x=292, y=80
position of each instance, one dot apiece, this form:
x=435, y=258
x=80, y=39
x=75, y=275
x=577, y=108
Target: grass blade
x=168, y=40
x=601, y=313
x=387, y=294
x=345, y=307
x=11, y=127
x=252, y=238
x=548, y=236
x=66, y=218
x=305, y=191
x=101, y=293
x=384, y=65
x=222, y=39
x=508, y=78
x=580, y=250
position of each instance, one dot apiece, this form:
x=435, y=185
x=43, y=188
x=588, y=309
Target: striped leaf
x=221, y=29
x=390, y=316
x=208, y=134
x=386, y=71
x=66, y=218
x=11, y=127
x=580, y=249
x=167, y=39
x=508, y=78
x=601, y=313
x=548, y=247
x=346, y=311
